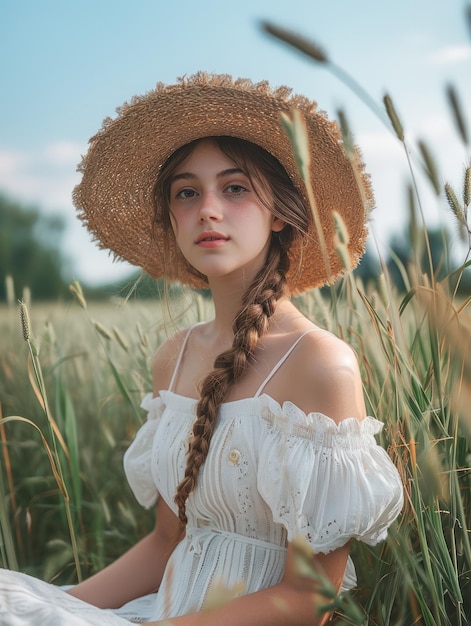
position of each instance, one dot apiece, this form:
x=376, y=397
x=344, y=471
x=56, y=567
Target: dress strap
x=282, y=360
x=180, y=355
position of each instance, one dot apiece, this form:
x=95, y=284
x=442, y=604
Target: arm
x=139, y=571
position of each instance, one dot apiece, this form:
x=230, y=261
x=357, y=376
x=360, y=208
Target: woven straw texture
x=115, y=196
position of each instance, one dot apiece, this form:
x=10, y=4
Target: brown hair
x=276, y=191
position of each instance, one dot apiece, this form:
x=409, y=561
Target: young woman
x=257, y=432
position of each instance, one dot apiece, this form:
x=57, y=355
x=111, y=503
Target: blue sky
x=67, y=65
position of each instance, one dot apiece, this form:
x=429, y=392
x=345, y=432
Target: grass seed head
x=467, y=187
x=430, y=166
x=454, y=204
x=457, y=112
x=341, y=239
x=121, y=339
x=25, y=321
x=393, y=117
x=347, y=135
x=307, y=47
x=104, y=332
x=76, y=289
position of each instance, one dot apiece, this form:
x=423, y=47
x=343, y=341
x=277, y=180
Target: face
x=221, y=226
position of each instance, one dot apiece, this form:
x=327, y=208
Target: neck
x=227, y=297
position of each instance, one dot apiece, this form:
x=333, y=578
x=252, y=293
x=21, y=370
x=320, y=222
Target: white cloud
x=434, y=125
x=385, y=162
x=45, y=177
x=63, y=153
x=91, y=264
x=379, y=145
x=451, y=54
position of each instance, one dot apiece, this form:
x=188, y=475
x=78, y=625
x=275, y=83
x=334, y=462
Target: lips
x=211, y=236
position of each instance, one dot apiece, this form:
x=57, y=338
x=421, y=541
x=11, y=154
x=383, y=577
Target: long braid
x=276, y=191
x=249, y=325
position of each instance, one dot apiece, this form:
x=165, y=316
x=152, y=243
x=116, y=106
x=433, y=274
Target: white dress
x=272, y=473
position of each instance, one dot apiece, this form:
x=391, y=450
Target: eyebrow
x=189, y=176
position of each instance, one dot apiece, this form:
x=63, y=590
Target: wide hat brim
x=115, y=198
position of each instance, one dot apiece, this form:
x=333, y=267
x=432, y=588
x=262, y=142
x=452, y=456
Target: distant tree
x=369, y=267
x=402, y=253
x=30, y=251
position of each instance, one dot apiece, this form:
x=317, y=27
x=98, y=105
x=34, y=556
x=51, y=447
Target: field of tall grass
x=70, y=404
x=69, y=398
x=72, y=376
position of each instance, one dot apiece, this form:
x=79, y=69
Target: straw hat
x=115, y=196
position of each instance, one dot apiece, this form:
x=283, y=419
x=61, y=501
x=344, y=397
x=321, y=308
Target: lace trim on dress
x=319, y=428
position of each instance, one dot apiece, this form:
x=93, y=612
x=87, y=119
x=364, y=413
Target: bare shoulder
x=330, y=375
x=324, y=350
x=165, y=359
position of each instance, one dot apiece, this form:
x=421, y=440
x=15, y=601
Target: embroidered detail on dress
x=234, y=456
x=331, y=529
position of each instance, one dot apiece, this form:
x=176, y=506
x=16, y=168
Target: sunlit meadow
x=72, y=376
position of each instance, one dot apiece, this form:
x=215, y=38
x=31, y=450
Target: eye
x=185, y=194
x=235, y=189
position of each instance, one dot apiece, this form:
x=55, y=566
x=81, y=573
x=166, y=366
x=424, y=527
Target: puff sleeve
x=328, y=482
x=138, y=457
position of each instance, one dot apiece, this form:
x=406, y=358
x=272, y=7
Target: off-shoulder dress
x=272, y=473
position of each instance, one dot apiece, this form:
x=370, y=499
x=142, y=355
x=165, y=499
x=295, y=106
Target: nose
x=210, y=208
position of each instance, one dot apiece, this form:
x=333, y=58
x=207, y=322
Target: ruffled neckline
x=271, y=410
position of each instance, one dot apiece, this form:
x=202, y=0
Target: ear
x=277, y=225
